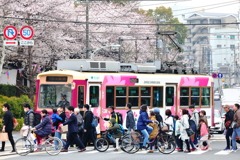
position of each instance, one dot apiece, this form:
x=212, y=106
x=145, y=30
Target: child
x=154, y=131
x=55, y=116
x=203, y=135
x=177, y=131
x=116, y=130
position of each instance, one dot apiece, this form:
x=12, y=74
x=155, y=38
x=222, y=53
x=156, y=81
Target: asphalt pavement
x=217, y=153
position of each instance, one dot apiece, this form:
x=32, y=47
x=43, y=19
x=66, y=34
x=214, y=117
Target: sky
x=181, y=7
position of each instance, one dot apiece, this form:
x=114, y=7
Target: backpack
x=15, y=123
x=122, y=129
x=94, y=121
x=119, y=118
x=37, y=118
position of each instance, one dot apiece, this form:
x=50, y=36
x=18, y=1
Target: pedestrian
x=195, y=118
x=130, y=122
x=72, y=137
x=55, y=117
x=177, y=130
x=228, y=120
x=154, y=131
x=204, y=117
x=116, y=131
x=57, y=123
x=89, y=130
x=28, y=123
x=183, y=133
x=113, y=114
x=203, y=135
x=80, y=122
x=235, y=126
x=158, y=116
x=7, y=126
x=142, y=124
x=169, y=120
x=43, y=129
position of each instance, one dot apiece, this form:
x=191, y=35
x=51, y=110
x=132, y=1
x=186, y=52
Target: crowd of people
x=190, y=129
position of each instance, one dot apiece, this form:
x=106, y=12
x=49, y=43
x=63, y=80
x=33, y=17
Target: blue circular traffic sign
x=220, y=75
x=26, y=32
x=10, y=32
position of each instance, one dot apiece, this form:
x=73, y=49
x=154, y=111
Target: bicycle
x=52, y=145
x=165, y=143
x=102, y=143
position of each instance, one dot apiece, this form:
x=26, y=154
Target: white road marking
x=222, y=153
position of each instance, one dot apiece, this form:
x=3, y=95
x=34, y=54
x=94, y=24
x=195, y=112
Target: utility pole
x=87, y=29
x=120, y=49
x=157, y=41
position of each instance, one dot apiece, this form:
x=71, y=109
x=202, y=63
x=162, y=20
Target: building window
x=169, y=96
x=121, y=96
x=232, y=37
x=94, y=96
x=232, y=46
x=219, y=36
x=219, y=46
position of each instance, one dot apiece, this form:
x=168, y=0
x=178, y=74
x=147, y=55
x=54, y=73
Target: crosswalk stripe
x=197, y=152
x=222, y=153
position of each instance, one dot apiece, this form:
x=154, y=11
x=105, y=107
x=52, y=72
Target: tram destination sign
x=151, y=82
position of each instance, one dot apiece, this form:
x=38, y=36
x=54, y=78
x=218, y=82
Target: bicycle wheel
x=166, y=144
x=101, y=144
x=53, y=146
x=129, y=144
x=23, y=146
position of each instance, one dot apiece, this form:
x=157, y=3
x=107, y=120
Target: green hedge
x=15, y=104
x=20, y=124
x=8, y=90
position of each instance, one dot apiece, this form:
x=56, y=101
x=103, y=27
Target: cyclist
x=142, y=126
x=116, y=130
x=43, y=129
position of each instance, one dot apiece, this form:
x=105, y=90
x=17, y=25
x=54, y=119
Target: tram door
x=171, y=98
x=94, y=96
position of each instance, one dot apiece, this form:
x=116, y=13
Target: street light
x=117, y=45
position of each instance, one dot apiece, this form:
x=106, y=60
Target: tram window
x=133, y=95
x=146, y=95
x=80, y=96
x=120, y=96
x=94, y=96
x=205, y=98
x=169, y=96
x=157, y=97
x=109, y=96
x=195, y=96
x=184, y=96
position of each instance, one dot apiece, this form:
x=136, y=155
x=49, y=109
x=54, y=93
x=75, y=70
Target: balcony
x=196, y=36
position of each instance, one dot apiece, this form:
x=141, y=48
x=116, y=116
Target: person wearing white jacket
x=183, y=133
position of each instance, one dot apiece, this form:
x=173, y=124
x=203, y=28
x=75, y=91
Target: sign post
x=26, y=33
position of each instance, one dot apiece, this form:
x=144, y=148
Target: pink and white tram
x=102, y=89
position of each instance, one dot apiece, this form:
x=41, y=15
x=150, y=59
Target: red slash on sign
x=10, y=43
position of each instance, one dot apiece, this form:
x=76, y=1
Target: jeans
x=236, y=132
x=146, y=132
x=228, y=135
x=192, y=144
x=178, y=141
x=58, y=135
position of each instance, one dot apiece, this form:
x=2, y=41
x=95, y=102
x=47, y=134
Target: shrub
x=20, y=123
x=8, y=90
x=16, y=105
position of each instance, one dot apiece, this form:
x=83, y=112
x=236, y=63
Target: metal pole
x=120, y=49
x=157, y=44
x=87, y=29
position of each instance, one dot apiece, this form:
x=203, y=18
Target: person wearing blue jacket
x=142, y=124
x=55, y=117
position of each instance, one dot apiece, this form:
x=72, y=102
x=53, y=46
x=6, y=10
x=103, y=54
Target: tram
x=106, y=83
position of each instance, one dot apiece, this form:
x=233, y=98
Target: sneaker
x=193, y=149
x=36, y=150
x=143, y=147
x=233, y=150
x=150, y=151
x=115, y=150
x=226, y=149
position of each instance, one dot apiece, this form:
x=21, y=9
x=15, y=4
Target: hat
x=156, y=110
